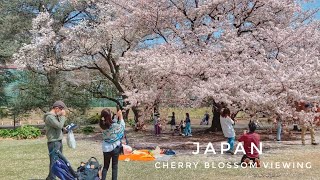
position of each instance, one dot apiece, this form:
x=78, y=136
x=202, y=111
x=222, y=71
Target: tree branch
x=66, y=19
x=107, y=58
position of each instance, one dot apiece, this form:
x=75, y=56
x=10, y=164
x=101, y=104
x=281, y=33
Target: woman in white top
x=227, y=128
x=112, y=132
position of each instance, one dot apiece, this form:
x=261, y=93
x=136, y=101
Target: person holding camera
x=112, y=132
x=227, y=124
x=248, y=139
x=54, y=122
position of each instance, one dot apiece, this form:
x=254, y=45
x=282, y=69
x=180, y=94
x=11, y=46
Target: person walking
x=187, y=131
x=306, y=119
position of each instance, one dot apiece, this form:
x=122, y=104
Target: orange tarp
x=140, y=155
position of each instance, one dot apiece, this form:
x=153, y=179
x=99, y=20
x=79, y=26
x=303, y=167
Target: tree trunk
x=126, y=115
x=53, y=81
x=136, y=113
x=215, y=125
x=14, y=121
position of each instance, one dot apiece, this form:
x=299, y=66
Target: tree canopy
x=250, y=54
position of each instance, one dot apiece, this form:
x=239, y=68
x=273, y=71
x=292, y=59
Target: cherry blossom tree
x=251, y=54
x=98, y=45
x=95, y=45
x=41, y=56
x=255, y=55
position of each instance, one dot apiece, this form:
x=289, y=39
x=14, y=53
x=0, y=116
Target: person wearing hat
x=54, y=123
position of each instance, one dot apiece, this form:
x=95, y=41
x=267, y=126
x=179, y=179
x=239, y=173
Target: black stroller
x=61, y=167
x=63, y=170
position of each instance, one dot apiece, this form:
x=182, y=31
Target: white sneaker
x=190, y=135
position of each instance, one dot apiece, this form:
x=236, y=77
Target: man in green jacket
x=54, y=122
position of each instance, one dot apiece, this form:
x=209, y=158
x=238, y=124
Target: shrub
x=24, y=132
x=88, y=130
x=5, y=133
x=131, y=122
x=28, y=132
x=76, y=119
x=94, y=119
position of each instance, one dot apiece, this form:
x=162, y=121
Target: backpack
x=89, y=170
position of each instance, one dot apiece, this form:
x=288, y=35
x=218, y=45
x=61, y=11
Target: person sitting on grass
x=205, y=119
x=227, y=128
x=248, y=139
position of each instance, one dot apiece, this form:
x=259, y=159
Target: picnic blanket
x=147, y=155
x=137, y=155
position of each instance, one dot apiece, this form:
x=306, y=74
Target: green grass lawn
x=28, y=159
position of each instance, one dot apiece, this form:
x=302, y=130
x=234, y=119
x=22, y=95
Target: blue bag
x=169, y=152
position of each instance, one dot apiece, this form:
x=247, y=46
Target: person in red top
x=247, y=139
